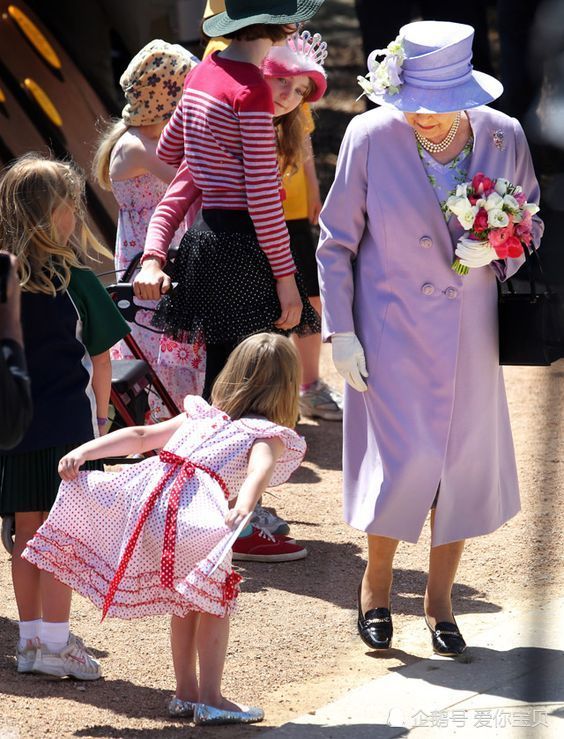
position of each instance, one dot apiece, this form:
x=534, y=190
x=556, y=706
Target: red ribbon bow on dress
x=185, y=469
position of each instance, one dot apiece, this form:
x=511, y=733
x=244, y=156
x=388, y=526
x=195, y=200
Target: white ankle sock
x=55, y=635
x=29, y=630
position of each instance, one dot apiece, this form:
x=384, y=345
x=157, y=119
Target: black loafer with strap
x=375, y=626
x=447, y=639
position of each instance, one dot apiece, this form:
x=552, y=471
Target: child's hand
x=70, y=464
x=290, y=302
x=151, y=282
x=313, y=206
x=235, y=516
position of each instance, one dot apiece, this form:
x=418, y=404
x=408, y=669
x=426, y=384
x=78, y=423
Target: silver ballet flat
x=181, y=709
x=204, y=714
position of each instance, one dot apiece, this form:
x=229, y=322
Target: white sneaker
x=264, y=519
x=27, y=655
x=321, y=401
x=72, y=661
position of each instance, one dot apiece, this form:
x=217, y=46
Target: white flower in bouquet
x=501, y=186
x=458, y=204
x=498, y=218
x=532, y=208
x=493, y=202
x=510, y=205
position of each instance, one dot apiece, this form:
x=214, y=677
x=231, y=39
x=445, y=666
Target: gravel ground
x=294, y=645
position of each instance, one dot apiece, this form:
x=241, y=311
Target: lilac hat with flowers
x=428, y=69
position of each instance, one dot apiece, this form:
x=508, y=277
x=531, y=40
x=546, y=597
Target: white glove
x=349, y=360
x=474, y=253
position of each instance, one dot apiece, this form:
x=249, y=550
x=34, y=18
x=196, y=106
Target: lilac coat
x=435, y=411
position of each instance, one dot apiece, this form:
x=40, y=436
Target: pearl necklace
x=442, y=145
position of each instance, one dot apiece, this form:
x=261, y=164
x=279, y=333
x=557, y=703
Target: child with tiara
x=127, y=163
x=294, y=125
x=234, y=268
x=154, y=538
x=69, y=324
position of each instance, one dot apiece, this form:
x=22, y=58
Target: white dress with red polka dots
x=142, y=541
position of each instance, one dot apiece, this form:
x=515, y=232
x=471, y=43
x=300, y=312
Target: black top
x=61, y=334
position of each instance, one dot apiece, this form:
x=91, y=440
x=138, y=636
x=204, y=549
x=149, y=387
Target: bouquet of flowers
x=497, y=220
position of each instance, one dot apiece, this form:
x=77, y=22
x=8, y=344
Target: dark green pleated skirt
x=29, y=481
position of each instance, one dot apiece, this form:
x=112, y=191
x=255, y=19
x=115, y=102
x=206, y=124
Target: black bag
x=531, y=320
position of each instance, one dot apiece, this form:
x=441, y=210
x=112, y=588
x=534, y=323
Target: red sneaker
x=262, y=546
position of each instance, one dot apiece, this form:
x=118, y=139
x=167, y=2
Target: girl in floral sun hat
x=126, y=162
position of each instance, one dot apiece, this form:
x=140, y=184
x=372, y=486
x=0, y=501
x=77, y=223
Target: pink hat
x=302, y=54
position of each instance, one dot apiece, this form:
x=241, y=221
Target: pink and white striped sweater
x=222, y=129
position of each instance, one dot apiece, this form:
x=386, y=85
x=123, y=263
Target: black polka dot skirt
x=225, y=288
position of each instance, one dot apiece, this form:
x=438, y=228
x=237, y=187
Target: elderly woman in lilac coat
x=426, y=424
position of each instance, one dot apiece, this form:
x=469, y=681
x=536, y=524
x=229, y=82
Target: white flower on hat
x=385, y=76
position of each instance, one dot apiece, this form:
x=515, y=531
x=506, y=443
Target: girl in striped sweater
x=234, y=268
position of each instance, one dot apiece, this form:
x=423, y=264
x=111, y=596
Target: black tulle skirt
x=225, y=288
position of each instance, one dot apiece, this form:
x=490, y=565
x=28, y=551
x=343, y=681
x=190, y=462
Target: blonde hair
x=291, y=137
x=31, y=189
x=109, y=137
x=260, y=377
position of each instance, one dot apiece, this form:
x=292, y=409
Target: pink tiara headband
x=302, y=54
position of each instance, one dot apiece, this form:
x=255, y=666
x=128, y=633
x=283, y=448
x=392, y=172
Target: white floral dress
x=144, y=541
x=179, y=366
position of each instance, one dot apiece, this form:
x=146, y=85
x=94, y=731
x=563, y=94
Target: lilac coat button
x=451, y=293
x=428, y=289
x=426, y=242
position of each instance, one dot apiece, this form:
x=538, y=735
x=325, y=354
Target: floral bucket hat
x=153, y=81
x=428, y=69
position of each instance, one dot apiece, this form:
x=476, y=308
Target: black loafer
x=447, y=639
x=375, y=626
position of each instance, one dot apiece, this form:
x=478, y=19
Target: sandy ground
x=294, y=645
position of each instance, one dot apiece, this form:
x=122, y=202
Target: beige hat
x=213, y=7
x=152, y=83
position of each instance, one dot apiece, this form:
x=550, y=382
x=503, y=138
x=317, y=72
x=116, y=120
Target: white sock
x=28, y=630
x=55, y=635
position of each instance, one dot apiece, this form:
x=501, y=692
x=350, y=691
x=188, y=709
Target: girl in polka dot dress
x=154, y=537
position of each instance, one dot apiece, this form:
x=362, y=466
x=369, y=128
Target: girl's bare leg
x=443, y=565
x=378, y=576
x=55, y=596
x=25, y=576
x=213, y=636
x=309, y=349
x=183, y=634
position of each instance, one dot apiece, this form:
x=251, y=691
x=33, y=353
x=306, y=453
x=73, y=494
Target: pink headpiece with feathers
x=302, y=54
